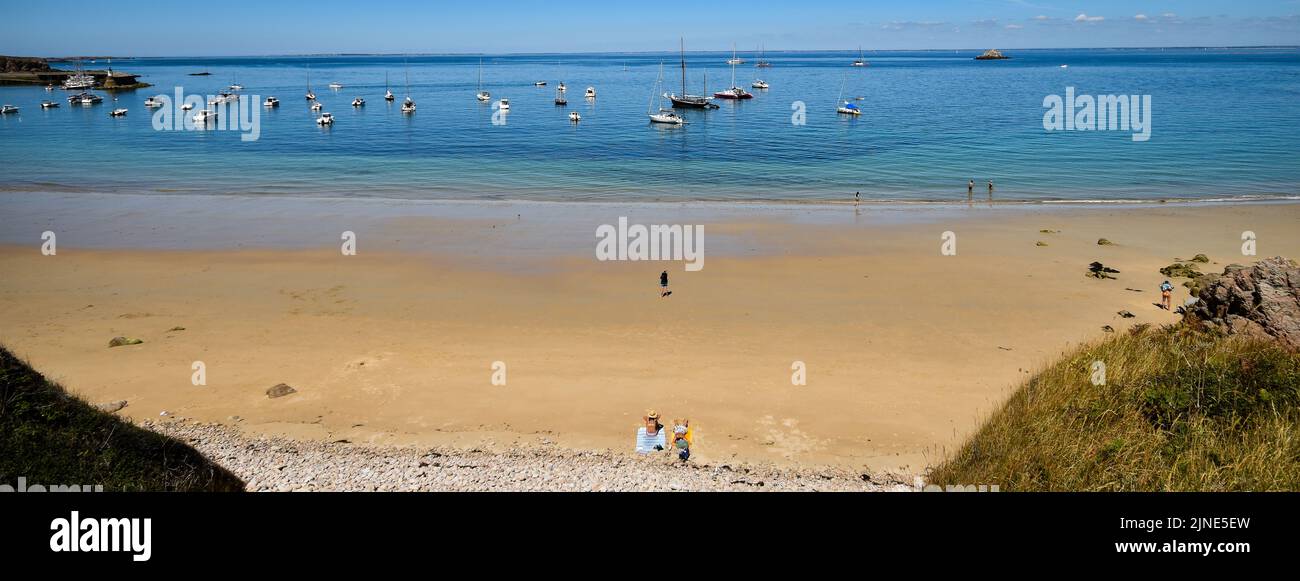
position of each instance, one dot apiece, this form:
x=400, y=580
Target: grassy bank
x=1181, y=409
x=52, y=438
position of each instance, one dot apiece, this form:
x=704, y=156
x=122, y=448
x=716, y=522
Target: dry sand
x=906, y=349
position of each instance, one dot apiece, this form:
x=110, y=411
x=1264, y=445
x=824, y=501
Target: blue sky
x=244, y=27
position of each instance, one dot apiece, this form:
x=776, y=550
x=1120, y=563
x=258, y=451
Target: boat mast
x=683, y=67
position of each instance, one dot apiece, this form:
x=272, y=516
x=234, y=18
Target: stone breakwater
x=268, y=464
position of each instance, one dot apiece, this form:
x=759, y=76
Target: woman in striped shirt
x=651, y=437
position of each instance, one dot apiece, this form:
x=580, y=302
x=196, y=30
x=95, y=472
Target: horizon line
x=582, y=53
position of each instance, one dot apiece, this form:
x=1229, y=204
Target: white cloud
x=1041, y=17
x=1085, y=18
x=1140, y=17
x=1014, y=27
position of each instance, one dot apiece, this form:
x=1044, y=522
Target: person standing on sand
x=1166, y=295
x=663, y=285
x=650, y=437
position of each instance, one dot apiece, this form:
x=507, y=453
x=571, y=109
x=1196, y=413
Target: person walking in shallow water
x=663, y=285
x=990, y=189
x=970, y=189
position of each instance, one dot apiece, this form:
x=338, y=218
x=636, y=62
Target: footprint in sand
x=785, y=437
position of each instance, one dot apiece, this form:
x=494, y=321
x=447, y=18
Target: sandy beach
x=906, y=349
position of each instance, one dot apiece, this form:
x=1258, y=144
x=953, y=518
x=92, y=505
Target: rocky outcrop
x=1262, y=300
x=18, y=64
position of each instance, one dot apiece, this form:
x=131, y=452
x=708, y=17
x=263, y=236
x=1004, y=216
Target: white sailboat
x=483, y=96
x=861, y=62
x=311, y=95
x=665, y=115
x=388, y=92
x=735, y=60
x=846, y=107
x=408, y=106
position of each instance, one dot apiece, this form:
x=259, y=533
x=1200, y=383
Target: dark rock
x=280, y=390
x=1104, y=242
x=1108, y=328
x=1126, y=315
x=1040, y=243
x=1201, y=258
x=1099, y=270
x=1262, y=300
x=120, y=341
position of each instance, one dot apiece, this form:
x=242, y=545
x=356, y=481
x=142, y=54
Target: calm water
x=1225, y=124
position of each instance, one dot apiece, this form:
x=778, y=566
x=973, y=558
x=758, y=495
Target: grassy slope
x=52, y=438
x=1181, y=410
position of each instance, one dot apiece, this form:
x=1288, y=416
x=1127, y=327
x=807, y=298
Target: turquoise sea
x=1225, y=124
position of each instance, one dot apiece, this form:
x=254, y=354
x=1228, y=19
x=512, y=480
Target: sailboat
x=483, y=96
x=560, y=101
x=311, y=95
x=665, y=116
x=762, y=64
x=846, y=107
x=388, y=91
x=735, y=60
x=734, y=93
x=408, y=106
x=685, y=100
x=861, y=62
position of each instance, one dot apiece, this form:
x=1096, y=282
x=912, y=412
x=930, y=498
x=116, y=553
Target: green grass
x=1182, y=409
x=52, y=438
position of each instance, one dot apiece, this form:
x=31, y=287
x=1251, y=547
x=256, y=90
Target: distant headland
x=16, y=70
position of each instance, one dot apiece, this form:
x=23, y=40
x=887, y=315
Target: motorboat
x=90, y=99
x=539, y=84
x=271, y=102
x=358, y=102
x=503, y=104
x=759, y=84
x=49, y=104
x=187, y=106
x=317, y=106
x=204, y=117
x=117, y=113
x=8, y=110
x=153, y=103
x=591, y=92
x=325, y=119
x=575, y=117
x=335, y=86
